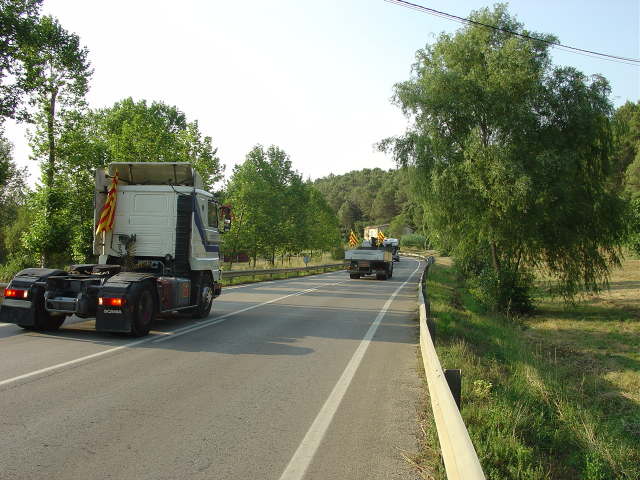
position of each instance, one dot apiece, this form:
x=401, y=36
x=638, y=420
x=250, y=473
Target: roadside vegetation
x=45, y=73
x=550, y=396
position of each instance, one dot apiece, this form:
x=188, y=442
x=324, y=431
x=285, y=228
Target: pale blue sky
x=313, y=77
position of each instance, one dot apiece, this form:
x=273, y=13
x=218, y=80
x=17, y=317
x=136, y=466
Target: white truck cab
x=161, y=255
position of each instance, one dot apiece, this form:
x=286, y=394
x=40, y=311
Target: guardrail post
x=454, y=379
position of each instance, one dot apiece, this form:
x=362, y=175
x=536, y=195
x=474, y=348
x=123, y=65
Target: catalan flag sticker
x=107, y=215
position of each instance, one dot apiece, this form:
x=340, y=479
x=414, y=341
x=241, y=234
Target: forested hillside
x=370, y=197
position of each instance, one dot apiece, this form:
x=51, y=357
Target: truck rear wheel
x=43, y=320
x=143, y=311
x=381, y=276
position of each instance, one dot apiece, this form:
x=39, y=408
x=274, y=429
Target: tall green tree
x=513, y=155
x=57, y=73
x=131, y=131
x=626, y=135
x=13, y=197
x=18, y=19
x=276, y=213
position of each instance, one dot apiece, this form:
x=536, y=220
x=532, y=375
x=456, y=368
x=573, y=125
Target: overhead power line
x=467, y=21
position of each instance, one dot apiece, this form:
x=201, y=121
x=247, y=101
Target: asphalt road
x=310, y=378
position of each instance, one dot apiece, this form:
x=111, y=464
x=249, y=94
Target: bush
x=634, y=226
x=337, y=253
x=507, y=292
x=414, y=240
x=13, y=266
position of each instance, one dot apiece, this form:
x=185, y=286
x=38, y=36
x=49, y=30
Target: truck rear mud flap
x=25, y=311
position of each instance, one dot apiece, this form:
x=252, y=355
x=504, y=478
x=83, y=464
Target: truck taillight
x=110, y=302
x=15, y=293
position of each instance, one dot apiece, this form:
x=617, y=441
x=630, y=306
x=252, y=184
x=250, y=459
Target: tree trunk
x=51, y=115
x=51, y=166
x=494, y=257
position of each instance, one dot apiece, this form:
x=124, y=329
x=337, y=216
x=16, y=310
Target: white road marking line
x=153, y=339
x=222, y=318
x=307, y=449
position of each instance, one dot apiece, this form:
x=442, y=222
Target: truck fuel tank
x=174, y=292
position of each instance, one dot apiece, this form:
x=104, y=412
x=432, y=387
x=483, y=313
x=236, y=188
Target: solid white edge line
x=307, y=449
x=153, y=339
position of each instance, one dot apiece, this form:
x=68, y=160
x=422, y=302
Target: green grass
x=554, y=396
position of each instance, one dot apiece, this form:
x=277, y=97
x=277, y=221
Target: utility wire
x=466, y=21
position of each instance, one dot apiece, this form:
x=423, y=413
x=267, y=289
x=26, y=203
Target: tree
x=626, y=135
x=17, y=21
x=13, y=195
x=57, y=73
x=348, y=215
x=140, y=132
x=322, y=226
x=276, y=213
x=513, y=156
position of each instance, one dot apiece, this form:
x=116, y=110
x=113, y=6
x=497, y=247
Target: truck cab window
x=212, y=214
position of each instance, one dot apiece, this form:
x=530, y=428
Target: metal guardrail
x=459, y=456
x=252, y=273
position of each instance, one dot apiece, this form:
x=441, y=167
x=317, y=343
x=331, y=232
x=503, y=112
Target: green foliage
x=372, y=197
x=13, y=196
x=276, y=213
x=538, y=408
x=506, y=291
x=634, y=225
x=397, y=225
x=337, y=253
x=626, y=158
x=132, y=131
x=414, y=240
x=513, y=155
x=18, y=19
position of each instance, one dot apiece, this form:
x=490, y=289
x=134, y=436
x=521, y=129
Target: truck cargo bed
x=370, y=254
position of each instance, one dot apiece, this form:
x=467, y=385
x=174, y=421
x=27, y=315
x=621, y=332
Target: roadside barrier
x=458, y=454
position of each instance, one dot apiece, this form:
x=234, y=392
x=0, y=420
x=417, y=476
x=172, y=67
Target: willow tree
x=513, y=156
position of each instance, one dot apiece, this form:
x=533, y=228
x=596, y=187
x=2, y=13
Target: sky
x=312, y=77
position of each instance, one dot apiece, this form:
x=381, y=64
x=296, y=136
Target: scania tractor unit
x=157, y=239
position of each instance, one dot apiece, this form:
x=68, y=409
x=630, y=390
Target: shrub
x=413, y=240
x=337, y=253
x=13, y=266
x=507, y=292
x=634, y=226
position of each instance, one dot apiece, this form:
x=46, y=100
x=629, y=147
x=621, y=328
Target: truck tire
x=143, y=310
x=381, y=276
x=354, y=275
x=43, y=320
x=206, y=301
